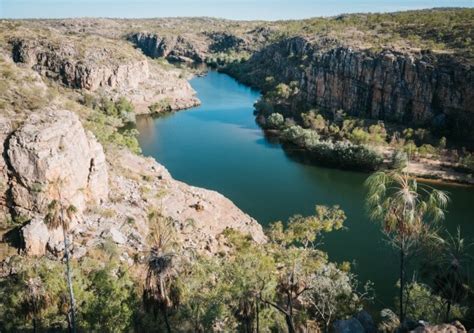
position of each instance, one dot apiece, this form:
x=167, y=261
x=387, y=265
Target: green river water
x=219, y=146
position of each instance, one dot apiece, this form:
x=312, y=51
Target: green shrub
x=347, y=155
x=399, y=160
x=275, y=121
x=305, y=138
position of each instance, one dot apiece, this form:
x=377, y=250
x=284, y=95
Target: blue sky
x=232, y=9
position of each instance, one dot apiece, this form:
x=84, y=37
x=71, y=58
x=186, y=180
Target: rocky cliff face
x=197, y=47
x=415, y=89
x=51, y=157
x=50, y=150
x=83, y=69
x=174, y=48
x=115, y=70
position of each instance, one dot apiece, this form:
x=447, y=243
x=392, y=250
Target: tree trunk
x=402, y=284
x=35, y=328
x=448, y=310
x=257, y=316
x=289, y=323
x=69, y=282
x=165, y=315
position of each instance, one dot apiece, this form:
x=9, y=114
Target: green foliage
x=163, y=105
x=299, y=136
x=105, y=295
x=399, y=160
x=312, y=119
x=275, y=121
x=347, y=155
x=407, y=212
x=425, y=305
x=467, y=161
x=105, y=128
x=114, y=300
x=120, y=109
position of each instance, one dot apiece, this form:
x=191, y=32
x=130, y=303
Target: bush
x=399, y=160
x=347, y=155
x=424, y=305
x=275, y=121
x=301, y=137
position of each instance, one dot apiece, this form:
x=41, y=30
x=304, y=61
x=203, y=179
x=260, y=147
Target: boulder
x=455, y=327
x=366, y=321
x=348, y=326
x=37, y=238
x=52, y=150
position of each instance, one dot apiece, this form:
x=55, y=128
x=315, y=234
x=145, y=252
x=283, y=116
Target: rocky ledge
x=114, y=68
x=51, y=157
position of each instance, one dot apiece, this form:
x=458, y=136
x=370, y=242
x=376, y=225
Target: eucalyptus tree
x=297, y=259
x=407, y=211
x=60, y=214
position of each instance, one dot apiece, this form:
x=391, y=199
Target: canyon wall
x=423, y=89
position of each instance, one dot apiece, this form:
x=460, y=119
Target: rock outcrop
x=174, y=48
x=455, y=327
x=90, y=68
x=51, y=157
x=52, y=149
x=115, y=69
x=414, y=89
x=200, y=215
x=199, y=46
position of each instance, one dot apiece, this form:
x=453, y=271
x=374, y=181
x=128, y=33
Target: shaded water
x=219, y=146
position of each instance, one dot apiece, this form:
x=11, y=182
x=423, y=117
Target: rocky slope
x=51, y=157
x=418, y=89
x=103, y=66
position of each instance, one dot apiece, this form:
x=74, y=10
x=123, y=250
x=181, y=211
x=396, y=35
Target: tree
x=36, y=300
x=448, y=263
x=60, y=215
x=275, y=120
x=296, y=257
x=160, y=293
x=406, y=210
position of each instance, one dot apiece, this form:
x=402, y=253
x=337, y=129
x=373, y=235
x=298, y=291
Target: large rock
x=38, y=238
x=455, y=327
x=200, y=215
x=366, y=321
x=348, y=326
x=50, y=148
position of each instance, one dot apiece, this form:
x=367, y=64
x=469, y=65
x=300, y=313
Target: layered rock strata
x=424, y=89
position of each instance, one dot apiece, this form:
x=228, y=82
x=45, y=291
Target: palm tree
x=59, y=216
x=450, y=261
x=160, y=293
x=406, y=210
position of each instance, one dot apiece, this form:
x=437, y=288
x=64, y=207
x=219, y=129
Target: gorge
x=168, y=174
x=272, y=184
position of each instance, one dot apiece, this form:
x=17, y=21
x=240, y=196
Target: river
x=219, y=146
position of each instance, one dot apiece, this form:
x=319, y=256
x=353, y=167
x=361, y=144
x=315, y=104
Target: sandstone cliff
x=110, y=67
x=51, y=157
x=411, y=88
